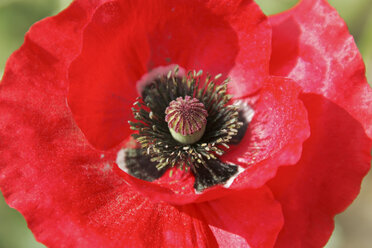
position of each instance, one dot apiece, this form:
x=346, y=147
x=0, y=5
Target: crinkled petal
x=125, y=40
x=95, y=209
x=253, y=34
x=327, y=178
x=275, y=135
x=129, y=219
x=248, y=218
x=312, y=45
x=273, y=138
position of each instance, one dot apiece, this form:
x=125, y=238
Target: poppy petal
x=251, y=46
x=132, y=220
x=275, y=135
x=327, y=178
x=101, y=78
x=248, y=218
x=312, y=45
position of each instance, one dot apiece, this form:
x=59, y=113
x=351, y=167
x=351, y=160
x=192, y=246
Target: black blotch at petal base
x=215, y=172
x=140, y=166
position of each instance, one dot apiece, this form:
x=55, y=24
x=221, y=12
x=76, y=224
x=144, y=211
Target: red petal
x=249, y=66
x=113, y=57
x=124, y=41
x=131, y=220
x=275, y=135
x=79, y=202
x=327, y=178
x=312, y=45
x=249, y=218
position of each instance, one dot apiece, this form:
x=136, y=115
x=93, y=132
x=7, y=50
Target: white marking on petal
x=107, y=168
x=247, y=110
x=120, y=160
x=231, y=180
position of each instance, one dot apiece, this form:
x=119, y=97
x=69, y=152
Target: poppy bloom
x=118, y=130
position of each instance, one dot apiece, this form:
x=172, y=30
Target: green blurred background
x=353, y=227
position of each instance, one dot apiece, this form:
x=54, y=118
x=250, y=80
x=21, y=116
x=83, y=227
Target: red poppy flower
x=68, y=163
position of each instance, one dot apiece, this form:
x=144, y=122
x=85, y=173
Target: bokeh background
x=353, y=227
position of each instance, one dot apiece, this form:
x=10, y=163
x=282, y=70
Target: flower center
x=185, y=122
x=186, y=119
